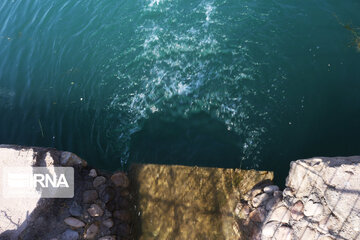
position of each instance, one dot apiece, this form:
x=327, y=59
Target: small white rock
x=260, y=200
x=308, y=234
x=280, y=214
x=283, y=233
x=95, y=210
x=269, y=229
x=313, y=209
x=92, y=173
x=271, y=188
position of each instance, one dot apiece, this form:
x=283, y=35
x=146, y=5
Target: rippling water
x=218, y=83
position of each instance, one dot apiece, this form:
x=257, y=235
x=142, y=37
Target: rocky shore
x=100, y=209
x=320, y=201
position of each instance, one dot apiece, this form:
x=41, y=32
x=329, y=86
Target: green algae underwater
x=216, y=83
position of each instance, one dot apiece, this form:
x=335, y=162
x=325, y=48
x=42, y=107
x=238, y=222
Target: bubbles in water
x=186, y=67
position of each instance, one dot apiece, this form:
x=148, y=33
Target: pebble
x=108, y=238
x=92, y=173
x=70, y=235
x=260, y=200
x=313, y=209
x=108, y=223
x=258, y=215
x=308, y=234
x=278, y=194
x=280, y=214
x=120, y=179
x=283, y=233
x=107, y=194
x=99, y=181
x=271, y=203
x=75, y=209
x=122, y=215
x=91, y=232
x=269, y=229
x=255, y=192
x=89, y=196
x=297, y=210
x=74, y=222
x=95, y=210
x=288, y=192
x=270, y=189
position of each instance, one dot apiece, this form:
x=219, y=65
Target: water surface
x=251, y=84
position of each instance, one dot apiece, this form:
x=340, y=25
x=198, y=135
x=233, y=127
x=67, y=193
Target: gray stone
x=109, y=223
x=75, y=209
x=74, y=222
x=99, y=181
x=271, y=203
x=91, y=231
x=90, y=196
x=71, y=159
x=95, y=210
x=107, y=194
x=92, y=173
x=260, y=200
x=70, y=235
x=270, y=189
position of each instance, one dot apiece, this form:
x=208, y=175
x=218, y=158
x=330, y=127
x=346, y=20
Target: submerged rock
x=74, y=222
x=99, y=181
x=70, y=235
x=120, y=179
x=91, y=231
x=95, y=210
x=92, y=173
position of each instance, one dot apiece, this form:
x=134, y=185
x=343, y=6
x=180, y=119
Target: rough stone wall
x=320, y=201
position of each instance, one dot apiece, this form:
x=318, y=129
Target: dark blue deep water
x=225, y=83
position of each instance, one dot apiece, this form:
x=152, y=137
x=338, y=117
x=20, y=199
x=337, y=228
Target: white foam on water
x=185, y=62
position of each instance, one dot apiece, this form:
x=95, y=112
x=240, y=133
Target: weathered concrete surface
x=321, y=201
x=179, y=202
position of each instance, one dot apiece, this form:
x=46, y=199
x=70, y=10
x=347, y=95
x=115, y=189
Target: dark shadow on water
x=197, y=140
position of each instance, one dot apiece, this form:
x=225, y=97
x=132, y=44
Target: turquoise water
x=251, y=84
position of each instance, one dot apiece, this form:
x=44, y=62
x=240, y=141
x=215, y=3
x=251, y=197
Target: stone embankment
x=320, y=201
